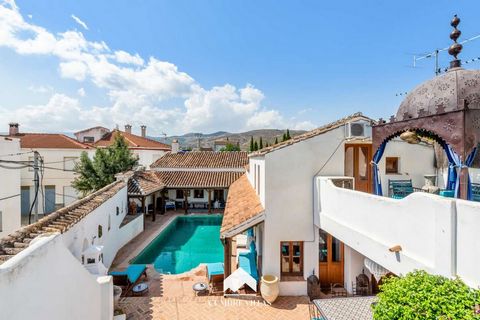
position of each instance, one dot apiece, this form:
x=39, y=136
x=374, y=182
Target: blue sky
x=237, y=65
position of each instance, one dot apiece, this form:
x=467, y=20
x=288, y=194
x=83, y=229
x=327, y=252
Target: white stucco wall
x=9, y=186
x=96, y=133
x=112, y=239
x=436, y=234
x=147, y=157
x=58, y=177
x=45, y=281
x=415, y=161
x=468, y=242
x=288, y=200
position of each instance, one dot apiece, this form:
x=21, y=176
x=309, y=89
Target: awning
x=377, y=270
x=238, y=279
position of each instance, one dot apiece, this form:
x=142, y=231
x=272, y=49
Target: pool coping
x=145, y=242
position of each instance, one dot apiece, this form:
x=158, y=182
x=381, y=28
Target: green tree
x=276, y=140
x=288, y=135
x=92, y=175
x=255, y=146
x=420, y=295
x=260, y=145
x=252, y=146
x=284, y=137
x=230, y=147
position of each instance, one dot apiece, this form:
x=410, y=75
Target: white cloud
x=40, y=89
x=125, y=57
x=80, y=22
x=151, y=92
x=74, y=70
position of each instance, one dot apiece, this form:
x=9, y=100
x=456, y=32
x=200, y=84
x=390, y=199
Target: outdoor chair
x=361, y=287
x=129, y=277
x=476, y=192
x=399, y=189
x=216, y=275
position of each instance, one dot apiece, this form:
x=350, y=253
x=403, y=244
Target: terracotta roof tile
x=203, y=159
x=58, y=221
x=133, y=141
x=143, y=183
x=48, y=141
x=311, y=134
x=198, y=179
x=242, y=204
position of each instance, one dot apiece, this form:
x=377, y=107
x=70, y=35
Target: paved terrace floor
x=171, y=296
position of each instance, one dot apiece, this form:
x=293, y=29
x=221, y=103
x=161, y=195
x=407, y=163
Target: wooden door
x=357, y=165
x=331, y=263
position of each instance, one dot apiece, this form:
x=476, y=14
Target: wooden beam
x=162, y=209
x=227, y=253
x=185, y=195
x=143, y=210
x=209, y=201
x=154, y=213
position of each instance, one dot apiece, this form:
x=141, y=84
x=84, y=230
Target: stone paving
x=171, y=296
x=213, y=308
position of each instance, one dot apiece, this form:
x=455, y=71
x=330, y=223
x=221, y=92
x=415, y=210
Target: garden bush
x=419, y=295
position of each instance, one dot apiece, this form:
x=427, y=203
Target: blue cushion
x=447, y=193
x=214, y=269
x=247, y=261
x=133, y=272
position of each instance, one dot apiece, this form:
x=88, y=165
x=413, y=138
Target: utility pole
x=36, y=180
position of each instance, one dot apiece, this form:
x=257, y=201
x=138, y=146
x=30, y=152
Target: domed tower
x=445, y=109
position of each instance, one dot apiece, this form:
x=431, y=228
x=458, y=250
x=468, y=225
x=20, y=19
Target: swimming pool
x=185, y=243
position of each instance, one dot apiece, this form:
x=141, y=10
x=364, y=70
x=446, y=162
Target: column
x=209, y=201
x=154, y=206
x=185, y=195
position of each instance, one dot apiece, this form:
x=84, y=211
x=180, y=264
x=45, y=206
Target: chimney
x=13, y=128
x=144, y=130
x=128, y=128
x=175, y=146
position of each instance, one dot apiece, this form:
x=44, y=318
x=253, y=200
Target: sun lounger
x=215, y=274
x=129, y=277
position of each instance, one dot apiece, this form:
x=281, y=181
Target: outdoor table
x=140, y=289
x=200, y=287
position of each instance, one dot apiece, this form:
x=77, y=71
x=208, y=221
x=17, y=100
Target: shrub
x=420, y=295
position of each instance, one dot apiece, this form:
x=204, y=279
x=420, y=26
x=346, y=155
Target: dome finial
x=456, y=47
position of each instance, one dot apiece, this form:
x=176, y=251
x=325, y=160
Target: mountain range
x=193, y=140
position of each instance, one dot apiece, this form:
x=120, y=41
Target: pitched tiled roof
x=133, y=141
x=48, y=141
x=198, y=179
x=143, y=183
x=58, y=221
x=243, y=204
x=311, y=134
x=203, y=159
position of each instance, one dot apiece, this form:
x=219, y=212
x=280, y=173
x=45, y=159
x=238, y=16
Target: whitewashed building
x=147, y=150
x=58, y=154
x=43, y=269
x=281, y=200
x=9, y=185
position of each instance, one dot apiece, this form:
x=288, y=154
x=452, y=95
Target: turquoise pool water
x=185, y=243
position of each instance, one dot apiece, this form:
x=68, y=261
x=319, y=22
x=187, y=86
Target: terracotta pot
x=269, y=288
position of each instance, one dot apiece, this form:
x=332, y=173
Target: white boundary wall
x=45, y=281
x=436, y=234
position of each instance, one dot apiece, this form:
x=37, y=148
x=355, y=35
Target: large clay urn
x=269, y=288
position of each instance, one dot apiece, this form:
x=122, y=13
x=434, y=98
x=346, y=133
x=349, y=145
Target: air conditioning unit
x=357, y=130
